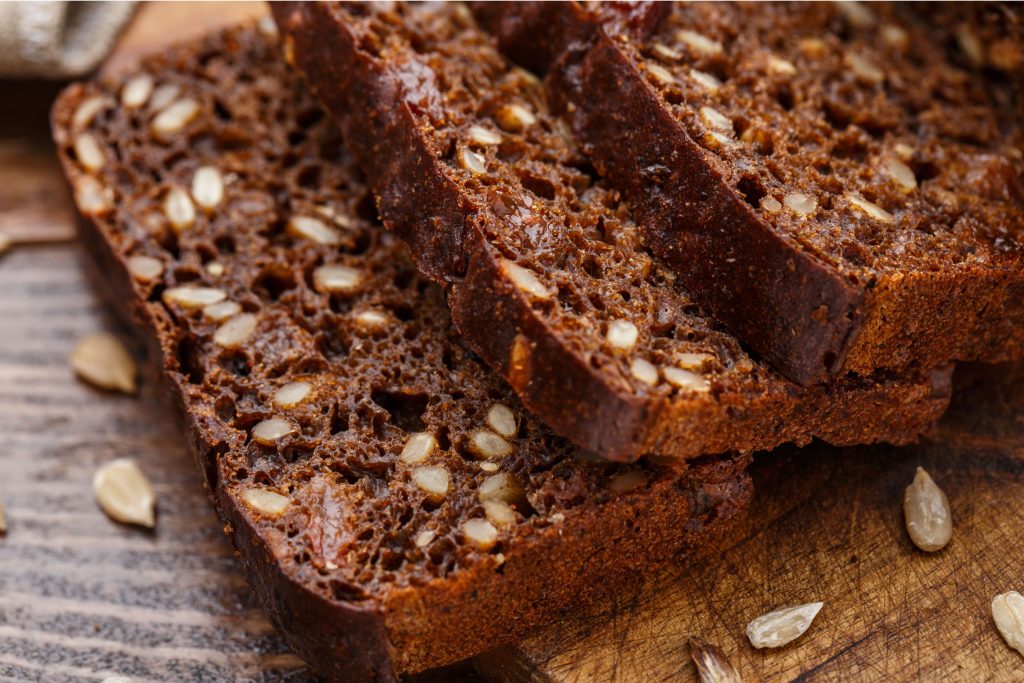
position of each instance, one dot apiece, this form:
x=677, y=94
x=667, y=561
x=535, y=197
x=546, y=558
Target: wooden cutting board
x=82, y=598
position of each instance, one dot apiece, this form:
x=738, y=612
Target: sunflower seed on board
x=782, y=626
x=3, y=521
x=101, y=360
x=124, y=493
x=926, y=510
x=712, y=664
x=1008, y=613
x=5, y=243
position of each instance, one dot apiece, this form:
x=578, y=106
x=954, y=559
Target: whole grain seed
x=432, y=480
x=927, y=514
x=232, y=333
x=313, y=229
x=699, y=43
x=782, y=626
x=179, y=210
x=102, y=360
x=88, y=152
x=418, y=448
x=291, y=394
x=712, y=664
x=484, y=137
x=221, y=311
x=901, y=173
x=659, y=73
x=515, y=118
x=800, y=203
x=863, y=69
x=857, y=13
x=474, y=162
x=1008, y=613
x=489, y=445
x=500, y=486
x=424, y=538
x=215, y=268
x=124, y=493
x=192, y=297
x=770, y=204
x=208, y=187
x=270, y=430
x=665, y=53
x=480, y=532
x=88, y=110
x=622, y=334
x=175, y=117
x=502, y=420
x=525, y=280
x=686, y=379
x=337, y=279
x=372, y=321
x=265, y=502
x=163, y=96
x=499, y=513
x=145, y=268
x=870, y=208
x=92, y=198
x=705, y=80
x=644, y=371
x=779, y=66
x=136, y=91
x=716, y=120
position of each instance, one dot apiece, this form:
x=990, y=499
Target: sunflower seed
x=269, y=503
x=1008, y=613
x=782, y=626
x=3, y=521
x=929, y=521
x=124, y=493
x=712, y=664
x=101, y=360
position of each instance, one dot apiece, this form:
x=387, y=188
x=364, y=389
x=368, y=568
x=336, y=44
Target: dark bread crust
x=811, y=315
x=577, y=535
x=457, y=240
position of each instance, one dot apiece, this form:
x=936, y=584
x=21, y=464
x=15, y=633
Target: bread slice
x=394, y=506
x=820, y=175
x=549, y=281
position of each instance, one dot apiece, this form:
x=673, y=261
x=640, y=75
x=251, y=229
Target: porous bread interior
x=354, y=515
x=823, y=99
x=551, y=214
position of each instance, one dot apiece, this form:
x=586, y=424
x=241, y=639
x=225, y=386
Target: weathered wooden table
x=82, y=598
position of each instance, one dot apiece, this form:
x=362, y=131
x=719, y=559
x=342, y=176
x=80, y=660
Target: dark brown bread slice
x=821, y=176
x=548, y=280
x=359, y=557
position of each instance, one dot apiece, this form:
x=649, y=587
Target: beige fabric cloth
x=58, y=39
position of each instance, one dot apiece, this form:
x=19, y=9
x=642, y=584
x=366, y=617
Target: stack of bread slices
x=474, y=314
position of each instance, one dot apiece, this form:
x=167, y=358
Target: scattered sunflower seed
x=782, y=626
x=712, y=664
x=926, y=509
x=124, y=493
x=1008, y=613
x=3, y=521
x=101, y=360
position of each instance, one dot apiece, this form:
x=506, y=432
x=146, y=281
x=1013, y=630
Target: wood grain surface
x=83, y=598
x=827, y=526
